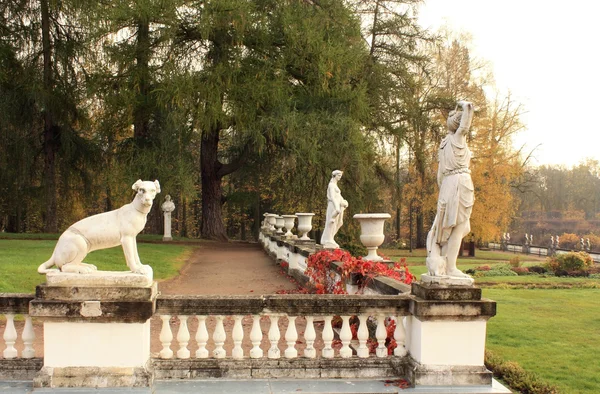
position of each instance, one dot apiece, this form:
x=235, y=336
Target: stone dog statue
x=106, y=230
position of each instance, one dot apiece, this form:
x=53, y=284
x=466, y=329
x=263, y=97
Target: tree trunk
x=420, y=228
x=211, y=223
x=50, y=139
x=141, y=111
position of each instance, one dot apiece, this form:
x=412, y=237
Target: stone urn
x=304, y=225
x=271, y=220
x=288, y=223
x=265, y=223
x=371, y=232
x=279, y=224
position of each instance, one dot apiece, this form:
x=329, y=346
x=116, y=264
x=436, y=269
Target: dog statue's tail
x=44, y=268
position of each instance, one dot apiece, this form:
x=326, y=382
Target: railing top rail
x=15, y=302
x=292, y=304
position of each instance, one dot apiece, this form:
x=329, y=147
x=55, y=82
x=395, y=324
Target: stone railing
x=279, y=335
x=540, y=251
x=17, y=359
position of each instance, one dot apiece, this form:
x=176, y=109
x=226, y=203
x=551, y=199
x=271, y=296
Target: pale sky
x=547, y=53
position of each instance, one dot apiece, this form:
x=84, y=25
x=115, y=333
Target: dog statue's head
x=146, y=191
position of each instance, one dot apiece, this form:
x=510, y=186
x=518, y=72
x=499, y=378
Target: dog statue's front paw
x=145, y=270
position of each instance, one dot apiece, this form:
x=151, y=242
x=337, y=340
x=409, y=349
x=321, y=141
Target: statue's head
x=453, y=122
x=168, y=197
x=337, y=174
x=146, y=191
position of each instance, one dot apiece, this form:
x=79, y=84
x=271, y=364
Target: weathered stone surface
x=102, y=293
x=441, y=375
x=99, y=279
x=445, y=280
x=299, y=368
x=446, y=293
x=452, y=310
x=20, y=368
x=300, y=304
x=111, y=311
x=15, y=302
x=92, y=377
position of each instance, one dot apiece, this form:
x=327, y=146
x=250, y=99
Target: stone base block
x=122, y=345
x=167, y=238
x=103, y=293
x=20, y=368
x=97, y=377
x=444, y=375
x=447, y=280
x=300, y=368
x=99, y=278
x=446, y=293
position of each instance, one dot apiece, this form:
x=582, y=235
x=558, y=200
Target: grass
x=553, y=333
x=20, y=259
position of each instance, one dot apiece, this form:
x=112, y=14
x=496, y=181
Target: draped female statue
x=456, y=196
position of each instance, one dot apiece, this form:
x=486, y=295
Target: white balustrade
x=345, y=337
x=28, y=338
x=256, y=336
x=166, y=337
x=274, y=336
x=219, y=337
x=183, y=337
x=237, y=336
x=10, y=337
x=381, y=335
x=327, y=351
x=291, y=336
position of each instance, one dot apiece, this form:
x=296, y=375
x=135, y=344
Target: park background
x=245, y=107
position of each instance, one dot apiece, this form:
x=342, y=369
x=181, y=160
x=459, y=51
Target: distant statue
x=557, y=239
x=336, y=205
x=456, y=196
x=167, y=207
x=582, y=243
x=106, y=230
x=589, y=245
x=507, y=237
x=530, y=239
x=552, y=241
x=526, y=239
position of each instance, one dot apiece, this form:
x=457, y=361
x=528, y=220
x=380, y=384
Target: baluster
x=219, y=337
x=202, y=337
x=10, y=336
x=166, y=336
x=28, y=338
x=183, y=337
x=238, y=336
x=274, y=336
x=363, y=336
x=256, y=338
x=310, y=335
x=345, y=337
x=381, y=335
x=291, y=336
x=400, y=337
x=328, y=351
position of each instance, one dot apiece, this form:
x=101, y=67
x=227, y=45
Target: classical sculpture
x=106, y=230
x=167, y=207
x=456, y=196
x=336, y=206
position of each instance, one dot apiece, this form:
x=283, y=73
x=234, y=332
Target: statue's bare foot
x=457, y=273
x=79, y=268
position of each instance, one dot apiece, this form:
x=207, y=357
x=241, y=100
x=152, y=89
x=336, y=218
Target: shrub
x=355, y=249
x=516, y=377
x=497, y=270
x=568, y=241
x=594, y=276
x=538, y=269
x=515, y=262
x=520, y=270
x=570, y=262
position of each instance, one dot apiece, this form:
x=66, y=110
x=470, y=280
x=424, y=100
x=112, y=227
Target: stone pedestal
x=96, y=329
x=446, y=335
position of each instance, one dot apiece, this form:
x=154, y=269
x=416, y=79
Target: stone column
x=96, y=329
x=446, y=335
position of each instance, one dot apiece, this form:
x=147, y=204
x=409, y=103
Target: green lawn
x=20, y=258
x=553, y=333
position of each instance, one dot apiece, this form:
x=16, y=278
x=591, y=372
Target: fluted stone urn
x=279, y=224
x=304, y=225
x=288, y=224
x=271, y=220
x=371, y=229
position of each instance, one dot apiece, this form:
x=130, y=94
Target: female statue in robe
x=335, y=211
